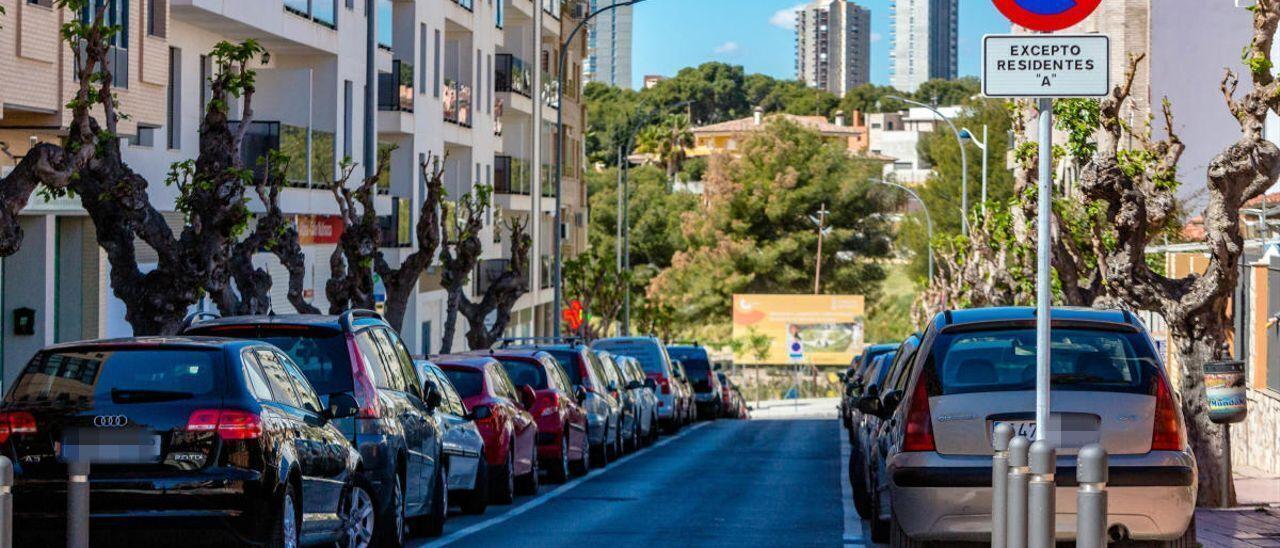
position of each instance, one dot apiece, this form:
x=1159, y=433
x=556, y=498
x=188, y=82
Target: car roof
x=196, y=342
x=306, y=320
x=532, y=353
x=882, y=347
x=1027, y=314
x=462, y=360
x=628, y=339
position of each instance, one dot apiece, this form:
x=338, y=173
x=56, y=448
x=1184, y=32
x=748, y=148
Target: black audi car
x=182, y=433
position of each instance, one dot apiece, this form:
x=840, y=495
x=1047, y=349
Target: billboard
x=811, y=329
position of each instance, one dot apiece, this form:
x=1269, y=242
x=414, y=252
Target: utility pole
x=823, y=230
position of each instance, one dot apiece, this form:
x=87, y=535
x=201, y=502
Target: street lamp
x=928, y=218
x=964, y=161
x=559, y=232
x=985, y=154
x=624, y=207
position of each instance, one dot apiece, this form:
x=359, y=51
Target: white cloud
x=876, y=37
x=728, y=48
x=786, y=18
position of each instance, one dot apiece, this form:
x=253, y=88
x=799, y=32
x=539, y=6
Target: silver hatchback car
x=975, y=369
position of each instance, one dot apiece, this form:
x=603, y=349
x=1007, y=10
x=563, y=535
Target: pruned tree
x=502, y=292
x=460, y=250
x=1137, y=186
x=359, y=253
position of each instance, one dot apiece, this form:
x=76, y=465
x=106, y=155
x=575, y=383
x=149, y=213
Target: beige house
x=726, y=137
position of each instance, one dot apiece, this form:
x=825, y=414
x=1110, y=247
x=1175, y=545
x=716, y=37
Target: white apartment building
x=609, y=45
x=897, y=135
x=439, y=66
x=925, y=37
x=833, y=45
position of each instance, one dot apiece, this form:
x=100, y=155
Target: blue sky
x=673, y=34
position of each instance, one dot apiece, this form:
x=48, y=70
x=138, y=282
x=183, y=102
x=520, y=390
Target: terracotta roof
x=741, y=125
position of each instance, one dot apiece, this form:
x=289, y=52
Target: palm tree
x=666, y=141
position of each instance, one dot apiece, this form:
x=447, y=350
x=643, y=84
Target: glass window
x=282, y=388
x=410, y=373
x=391, y=362
x=450, y=395
x=253, y=377
x=384, y=23
x=321, y=355
x=468, y=382
x=568, y=360
x=522, y=372
x=122, y=376
x=695, y=361
x=649, y=355
x=306, y=394
x=373, y=357
x=502, y=383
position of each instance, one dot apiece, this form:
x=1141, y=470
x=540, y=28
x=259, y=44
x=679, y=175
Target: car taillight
x=919, y=425
x=664, y=384
x=1168, y=432
x=16, y=422
x=230, y=424
x=550, y=404
x=365, y=392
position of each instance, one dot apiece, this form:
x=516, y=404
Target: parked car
x=705, y=383
x=657, y=365
x=645, y=395
x=687, y=410
x=729, y=407
x=582, y=366
x=463, y=445
x=359, y=355
x=628, y=395
x=165, y=422
x=562, y=422
x=853, y=381
x=976, y=368
x=501, y=412
x=866, y=426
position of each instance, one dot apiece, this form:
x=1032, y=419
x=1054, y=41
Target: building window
x=173, y=115
x=348, y=97
x=206, y=83
x=385, y=13
x=435, y=67
x=158, y=17
x=44, y=3
x=422, y=58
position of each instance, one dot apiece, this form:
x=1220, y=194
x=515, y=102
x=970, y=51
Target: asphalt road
x=762, y=482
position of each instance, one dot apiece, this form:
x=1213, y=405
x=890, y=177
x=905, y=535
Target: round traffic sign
x=1046, y=15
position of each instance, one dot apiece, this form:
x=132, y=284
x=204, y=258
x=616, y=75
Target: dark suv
x=182, y=433
x=357, y=354
x=706, y=385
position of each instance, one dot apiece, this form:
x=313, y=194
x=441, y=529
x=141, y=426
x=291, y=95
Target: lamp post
x=559, y=235
x=928, y=218
x=982, y=145
x=964, y=161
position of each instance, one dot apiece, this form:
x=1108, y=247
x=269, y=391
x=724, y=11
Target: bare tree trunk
x=1193, y=347
x=501, y=295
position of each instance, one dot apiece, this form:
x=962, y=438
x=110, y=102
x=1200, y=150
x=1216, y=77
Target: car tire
x=879, y=527
x=284, y=525
x=432, y=524
x=476, y=501
x=391, y=522
x=635, y=438
x=655, y=427
x=858, y=484
x=359, y=516
x=529, y=483
x=502, y=487
x=1187, y=540
x=599, y=455
x=560, y=472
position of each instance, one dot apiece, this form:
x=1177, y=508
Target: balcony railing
x=457, y=103
x=550, y=91
x=512, y=74
x=549, y=180
x=498, y=107
x=321, y=11
x=468, y=5
x=395, y=88
x=547, y=267
x=511, y=176
x=552, y=7
x=259, y=141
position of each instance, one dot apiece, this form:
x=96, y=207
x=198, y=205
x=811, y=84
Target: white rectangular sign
x=1046, y=65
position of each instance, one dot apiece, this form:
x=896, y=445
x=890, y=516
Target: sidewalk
x=1256, y=522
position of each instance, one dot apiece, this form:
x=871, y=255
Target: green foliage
x=1079, y=118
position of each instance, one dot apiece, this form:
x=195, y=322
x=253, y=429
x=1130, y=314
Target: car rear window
x=696, y=364
x=321, y=354
x=468, y=382
x=646, y=352
x=525, y=373
x=568, y=361
x=1080, y=359
x=119, y=375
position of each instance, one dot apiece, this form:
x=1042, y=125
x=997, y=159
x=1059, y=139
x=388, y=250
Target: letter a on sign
x=1046, y=15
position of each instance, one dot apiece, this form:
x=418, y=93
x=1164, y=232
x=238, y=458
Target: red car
x=562, y=422
x=501, y=412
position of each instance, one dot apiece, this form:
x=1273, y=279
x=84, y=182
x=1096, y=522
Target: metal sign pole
x=1044, y=290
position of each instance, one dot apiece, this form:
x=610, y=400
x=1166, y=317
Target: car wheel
x=284, y=528
x=635, y=437
x=560, y=472
x=476, y=500
x=391, y=522
x=1187, y=540
x=654, y=429
x=879, y=527
x=433, y=523
x=581, y=466
x=858, y=483
x=502, y=482
x=358, y=515
x=528, y=484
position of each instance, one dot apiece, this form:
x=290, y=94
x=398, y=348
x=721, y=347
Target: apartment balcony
x=457, y=103
x=303, y=26
x=468, y=5
x=513, y=81
x=523, y=9
x=512, y=176
x=395, y=99
x=547, y=267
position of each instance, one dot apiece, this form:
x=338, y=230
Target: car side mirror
x=890, y=401
x=869, y=405
x=651, y=384
x=431, y=395
x=580, y=394
x=479, y=413
x=528, y=398
x=841, y=376
x=341, y=405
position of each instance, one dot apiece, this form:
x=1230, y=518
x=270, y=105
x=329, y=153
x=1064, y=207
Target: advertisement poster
x=816, y=329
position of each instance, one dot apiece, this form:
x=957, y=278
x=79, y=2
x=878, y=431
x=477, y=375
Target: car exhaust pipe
x=1118, y=533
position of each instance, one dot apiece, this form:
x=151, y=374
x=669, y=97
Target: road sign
x=1047, y=15
x=1046, y=65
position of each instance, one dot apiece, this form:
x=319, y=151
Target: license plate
x=109, y=446
x=1026, y=429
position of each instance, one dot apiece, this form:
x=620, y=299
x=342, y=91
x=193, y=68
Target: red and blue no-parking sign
x=1046, y=15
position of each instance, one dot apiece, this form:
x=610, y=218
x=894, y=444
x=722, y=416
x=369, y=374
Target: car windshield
x=321, y=354
x=525, y=373
x=118, y=376
x=646, y=352
x=880, y=368
x=568, y=361
x=1080, y=359
x=468, y=382
x=695, y=361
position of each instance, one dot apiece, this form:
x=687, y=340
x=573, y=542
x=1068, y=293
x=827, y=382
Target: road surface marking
x=854, y=535
x=543, y=498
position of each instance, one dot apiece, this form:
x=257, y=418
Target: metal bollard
x=1016, y=499
x=6, y=502
x=1091, y=498
x=1000, y=484
x=1041, y=511
x=78, y=504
